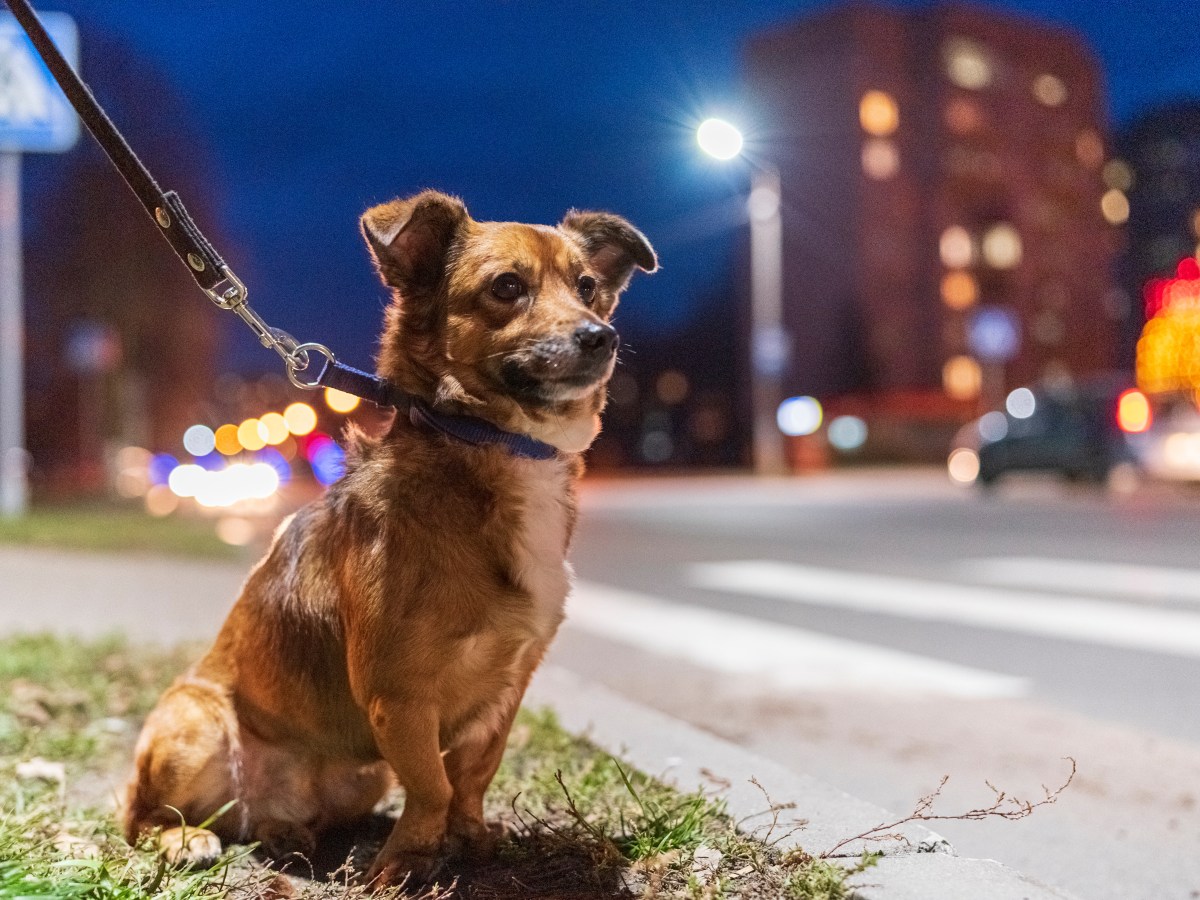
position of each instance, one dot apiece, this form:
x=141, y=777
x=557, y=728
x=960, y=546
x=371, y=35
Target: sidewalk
x=170, y=600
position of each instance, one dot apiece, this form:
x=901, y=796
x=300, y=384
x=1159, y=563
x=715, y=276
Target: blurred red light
x=1155, y=294
x=1188, y=268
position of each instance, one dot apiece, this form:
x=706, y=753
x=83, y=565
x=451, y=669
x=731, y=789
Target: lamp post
x=770, y=345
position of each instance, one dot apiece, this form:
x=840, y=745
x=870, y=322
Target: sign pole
x=14, y=486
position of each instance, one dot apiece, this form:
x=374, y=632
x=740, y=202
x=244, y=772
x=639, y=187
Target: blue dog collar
x=478, y=432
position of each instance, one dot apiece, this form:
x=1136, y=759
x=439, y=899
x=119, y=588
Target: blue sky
x=313, y=111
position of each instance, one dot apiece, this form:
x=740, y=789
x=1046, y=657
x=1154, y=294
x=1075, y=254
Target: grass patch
x=114, y=528
x=580, y=824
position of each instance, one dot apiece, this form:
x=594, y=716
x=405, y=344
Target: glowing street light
x=770, y=343
x=719, y=139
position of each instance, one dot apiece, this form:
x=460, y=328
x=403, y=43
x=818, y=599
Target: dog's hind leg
x=187, y=768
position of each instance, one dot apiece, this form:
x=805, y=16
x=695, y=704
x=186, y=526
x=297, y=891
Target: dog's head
x=505, y=321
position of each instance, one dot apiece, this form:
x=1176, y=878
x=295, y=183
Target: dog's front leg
x=471, y=767
x=407, y=735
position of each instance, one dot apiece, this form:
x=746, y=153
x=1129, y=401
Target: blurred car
x=1170, y=448
x=1082, y=431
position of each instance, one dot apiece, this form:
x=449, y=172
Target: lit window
x=967, y=64
x=1049, y=90
x=880, y=159
x=878, y=113
x=1002, y=246
x=963, y=116
x=962, y=378
x=1115, y=207
x=1089, y=148
x=955, y=248
x=1117, y=174
x=959, y=290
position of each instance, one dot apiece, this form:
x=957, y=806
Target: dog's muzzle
x=562, y=368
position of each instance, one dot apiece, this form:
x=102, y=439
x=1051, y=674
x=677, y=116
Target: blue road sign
x=35, y=117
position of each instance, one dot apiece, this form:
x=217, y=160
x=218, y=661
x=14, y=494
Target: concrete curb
x=921, y=867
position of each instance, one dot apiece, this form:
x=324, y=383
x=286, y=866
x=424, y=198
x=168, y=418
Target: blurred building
x=1159, y=169
x=121, y=345
x=941, y=173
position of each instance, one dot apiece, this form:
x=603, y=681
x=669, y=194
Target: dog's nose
x=596, y=339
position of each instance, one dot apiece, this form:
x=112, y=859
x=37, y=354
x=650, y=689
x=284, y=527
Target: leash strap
x=185, y=237
x=226, y=290
x=164, y=207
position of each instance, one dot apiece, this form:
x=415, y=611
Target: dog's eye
x=507, y=286
x=587, y=289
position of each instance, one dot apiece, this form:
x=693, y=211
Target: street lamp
x=770, y=345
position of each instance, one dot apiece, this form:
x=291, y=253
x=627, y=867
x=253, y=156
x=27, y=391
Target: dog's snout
x=596, y=339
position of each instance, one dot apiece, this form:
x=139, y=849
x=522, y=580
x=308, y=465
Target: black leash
x=199, y=256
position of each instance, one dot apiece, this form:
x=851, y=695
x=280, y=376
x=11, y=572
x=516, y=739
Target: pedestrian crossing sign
x=35, y=116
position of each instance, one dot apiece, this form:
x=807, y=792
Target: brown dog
x=393, y=626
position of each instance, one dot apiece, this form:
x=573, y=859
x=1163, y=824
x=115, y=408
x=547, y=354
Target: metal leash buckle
x=298, y=360
x=229, y=292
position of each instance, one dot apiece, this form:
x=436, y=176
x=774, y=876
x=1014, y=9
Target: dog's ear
x=613, y=246
x=409, y=238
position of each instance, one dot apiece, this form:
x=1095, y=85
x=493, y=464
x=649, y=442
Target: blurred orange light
x=339, y=401
x=1133, y=411
x=962, y=378
x=227, y=440
x=301, y=418
x=878, y=113
x=959, y=290
x=249, y=436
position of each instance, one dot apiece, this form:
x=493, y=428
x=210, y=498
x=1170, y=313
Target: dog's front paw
x=195, y=848
x=403, y=867
x=472, y=838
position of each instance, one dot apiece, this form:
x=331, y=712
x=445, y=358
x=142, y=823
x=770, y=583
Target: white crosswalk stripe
x=789, y=657
x=1085, y=577
x=1029, y=612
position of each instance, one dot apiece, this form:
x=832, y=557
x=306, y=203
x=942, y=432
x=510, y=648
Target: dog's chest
x=539, y=541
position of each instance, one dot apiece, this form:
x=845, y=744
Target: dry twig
x=1002, y=807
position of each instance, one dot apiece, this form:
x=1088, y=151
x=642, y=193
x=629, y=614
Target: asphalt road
x=881, y=630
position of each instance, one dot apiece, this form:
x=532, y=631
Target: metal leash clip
x=231, y=293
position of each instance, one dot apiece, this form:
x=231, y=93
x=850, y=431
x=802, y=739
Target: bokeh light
x=878, y=113
x=160, y=467
x=340, y=401
x=226, y=440
x=956, y=248
x=1002, y=246
x=199, y=440
x=963, y=465
x=962, y=378
x=249, y=437
x=300, y=418
x=993, y=426
x=847, y=433
x=1021, y=403
x=273, y=428
x=799, y=416
x=1133, y=411
x=161, y=501
x=327, y=461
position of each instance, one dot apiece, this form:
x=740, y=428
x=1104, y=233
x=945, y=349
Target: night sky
x=310, y=112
